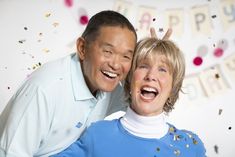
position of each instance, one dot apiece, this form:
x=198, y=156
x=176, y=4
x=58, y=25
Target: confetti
x=217, y=76
x=8, y=88
x=36, y=65
x=22, y=41
x=46, y=50
x=213, y=16
x=55, y=24
x=223, y=44
x=177, y=152
x=229, y=128
x=47, y=14
x=218, y=52
x=154, y=19
x=220, y=111
x=197, y=61
x=160, y=30
x=79, y=124
x=25, y=28
x=83, y=19
x=216, y=149
x=68, y=3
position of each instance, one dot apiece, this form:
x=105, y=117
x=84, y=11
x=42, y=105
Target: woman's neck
x=142, y=126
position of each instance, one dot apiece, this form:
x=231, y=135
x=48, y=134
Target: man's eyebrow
x=107, y=44
x=110, y=45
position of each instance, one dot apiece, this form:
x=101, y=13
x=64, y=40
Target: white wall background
x=46, y=38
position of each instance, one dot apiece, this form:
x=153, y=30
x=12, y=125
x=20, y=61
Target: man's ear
x=81, y=48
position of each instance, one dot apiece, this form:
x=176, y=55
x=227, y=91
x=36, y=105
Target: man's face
x=107, y=60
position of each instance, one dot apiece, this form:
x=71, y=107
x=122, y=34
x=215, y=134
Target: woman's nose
x=150, y=76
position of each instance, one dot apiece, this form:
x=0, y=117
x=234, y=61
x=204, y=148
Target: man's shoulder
x=51, y=71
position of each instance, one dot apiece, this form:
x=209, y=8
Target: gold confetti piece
x=172, y=129
x=46, y=50
x=47, y=14
x=195, y=141
x=217, y=76
x=36, y=65
x=55, y=24
x=177, y=152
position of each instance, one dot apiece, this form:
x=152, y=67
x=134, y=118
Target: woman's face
x=151, y=85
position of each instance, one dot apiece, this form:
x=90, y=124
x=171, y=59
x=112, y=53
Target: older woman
x=152, y=89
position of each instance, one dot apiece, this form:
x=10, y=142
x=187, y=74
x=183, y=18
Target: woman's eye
x=163, y=69
x=142, y=66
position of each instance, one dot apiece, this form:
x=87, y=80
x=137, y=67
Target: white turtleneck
x=146, y=127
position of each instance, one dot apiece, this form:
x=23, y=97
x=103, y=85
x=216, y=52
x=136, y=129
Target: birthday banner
x=210, y=82
x=200, y=17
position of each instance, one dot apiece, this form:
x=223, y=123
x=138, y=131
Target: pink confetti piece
x=218, y=52
x=197, y=61
x=83, y=19
x=68, y=3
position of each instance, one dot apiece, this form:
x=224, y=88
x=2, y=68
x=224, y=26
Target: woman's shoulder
x=183, y=133
x=103, y=125
x=187, y=138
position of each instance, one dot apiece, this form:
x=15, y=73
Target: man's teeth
x=110, y=74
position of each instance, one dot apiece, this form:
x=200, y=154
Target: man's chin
x=109, y=88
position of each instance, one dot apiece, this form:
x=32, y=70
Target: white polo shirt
x=51, y=110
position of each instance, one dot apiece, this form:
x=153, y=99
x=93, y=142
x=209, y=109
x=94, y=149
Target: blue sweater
x=110, y=139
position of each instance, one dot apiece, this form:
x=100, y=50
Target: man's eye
x=127, y=57
x=109, y=52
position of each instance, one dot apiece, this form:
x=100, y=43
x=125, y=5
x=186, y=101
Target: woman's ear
x=81, y=48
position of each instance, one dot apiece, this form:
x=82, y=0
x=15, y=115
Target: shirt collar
x=80, y=88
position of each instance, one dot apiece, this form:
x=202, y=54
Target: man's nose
x=114, y=62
